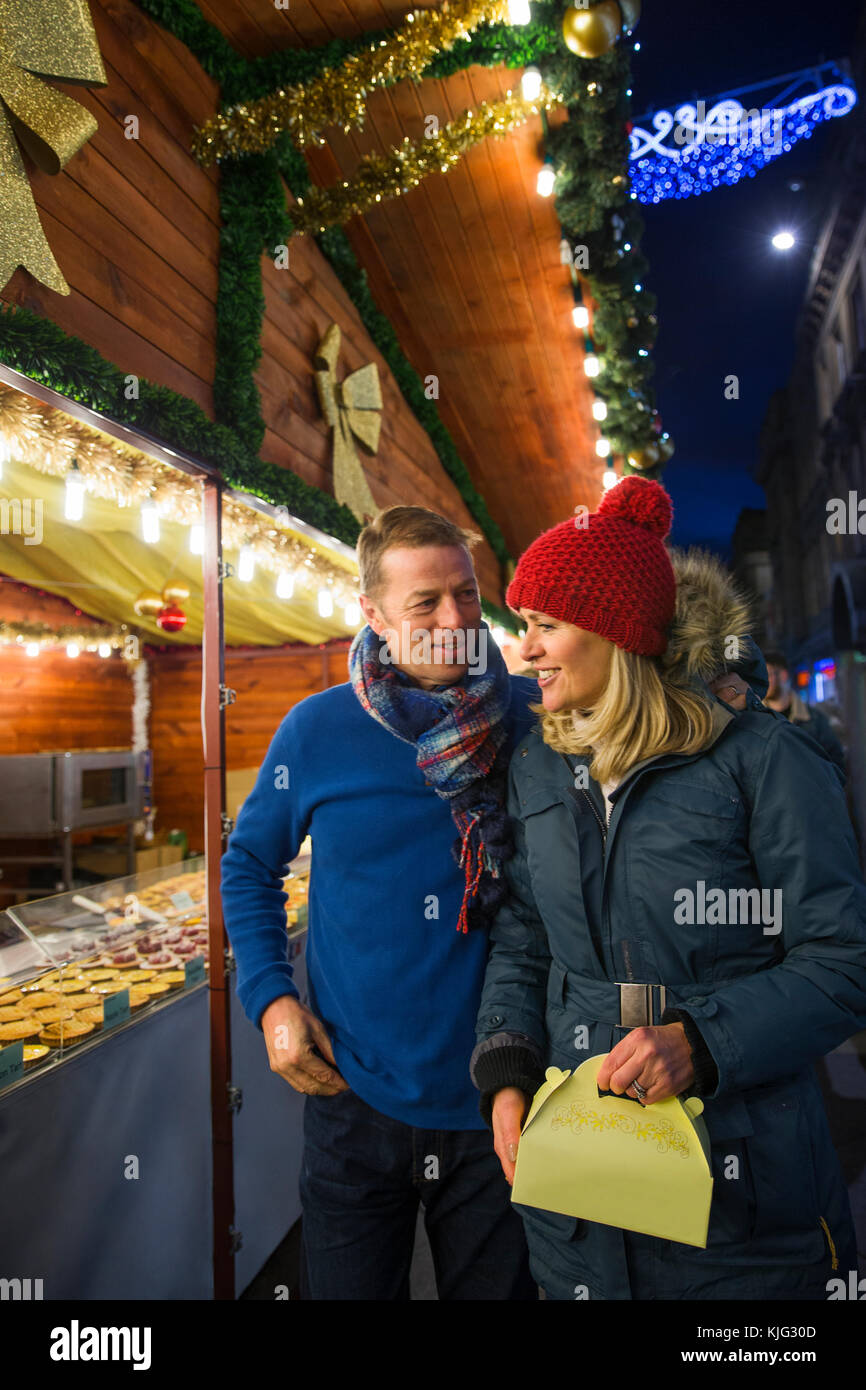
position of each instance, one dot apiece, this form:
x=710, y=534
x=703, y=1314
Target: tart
x=78, y=1001
x=13, y=1013
x=155, y=988
x=139, y=977
x=137, y=996
x=101, y=973
x=14, y=996
x=44, y=999
x=21, y=1031
x=66, y=1032
x=94, y=1015
x=109, y=987
x=34, y=1052
x=73, y=984
x=53, y=1015
x=173, y=978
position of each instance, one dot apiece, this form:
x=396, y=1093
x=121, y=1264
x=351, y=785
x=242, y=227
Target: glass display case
x=75, y=966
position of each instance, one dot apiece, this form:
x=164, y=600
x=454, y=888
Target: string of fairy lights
x=93, y=465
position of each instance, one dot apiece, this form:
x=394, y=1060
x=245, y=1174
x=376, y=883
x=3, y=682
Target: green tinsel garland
x=39, y=349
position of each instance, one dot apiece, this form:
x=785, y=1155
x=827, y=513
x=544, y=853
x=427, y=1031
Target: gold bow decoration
x=54, y=38
x=351, y=407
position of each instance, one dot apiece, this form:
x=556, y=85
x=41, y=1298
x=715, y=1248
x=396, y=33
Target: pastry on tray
x=13, y=996
x=173, y=978
x=44, y=999
x=66, y=1032
x=154, y=988
x=138, y=977
x=53, y=1015
x=34, y=1052
x=79, y=1001
x=98, y=974
x=22, y=1031
x=93, y=1015
x=13, y=1013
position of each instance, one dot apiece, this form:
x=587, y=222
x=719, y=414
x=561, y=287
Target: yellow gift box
x=607, y=1158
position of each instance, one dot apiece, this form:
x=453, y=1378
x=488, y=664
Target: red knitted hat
x=606, y=571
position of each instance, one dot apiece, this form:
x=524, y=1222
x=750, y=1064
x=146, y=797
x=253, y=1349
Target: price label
x=115, y=1008
x=193, y=972
x=11, y=1063
x=182, y=901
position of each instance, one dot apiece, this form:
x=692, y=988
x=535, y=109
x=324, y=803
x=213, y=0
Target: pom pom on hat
x=641, y=501
x=606, y=572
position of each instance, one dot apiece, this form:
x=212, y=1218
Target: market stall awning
x=102, y=563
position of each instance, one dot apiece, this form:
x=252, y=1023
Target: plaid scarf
x=459, y=735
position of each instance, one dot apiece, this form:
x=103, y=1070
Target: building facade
x=813, y=458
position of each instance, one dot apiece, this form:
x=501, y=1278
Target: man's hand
x=731, y=688
x=298, y=1046
x=509, y=1109
x=659, y=1058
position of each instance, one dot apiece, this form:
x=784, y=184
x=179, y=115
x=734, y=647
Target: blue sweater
x=395, y=984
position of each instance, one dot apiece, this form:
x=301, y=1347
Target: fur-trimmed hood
x=710, y=631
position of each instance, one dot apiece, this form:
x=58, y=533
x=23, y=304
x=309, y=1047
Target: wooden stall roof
x=467, y=268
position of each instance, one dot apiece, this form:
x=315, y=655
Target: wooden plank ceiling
x=467, y=268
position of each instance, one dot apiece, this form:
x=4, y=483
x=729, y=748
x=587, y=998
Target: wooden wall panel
x=134, y=224
x=268, y=685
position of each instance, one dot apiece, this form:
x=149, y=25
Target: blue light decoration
x=716, y=145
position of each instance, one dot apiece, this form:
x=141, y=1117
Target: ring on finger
x=638, y=1090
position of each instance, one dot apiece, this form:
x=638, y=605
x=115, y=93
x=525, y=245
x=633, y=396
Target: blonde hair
x=411, y=527
x=659, y=704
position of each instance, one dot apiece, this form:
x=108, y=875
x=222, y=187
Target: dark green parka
x=759, y=808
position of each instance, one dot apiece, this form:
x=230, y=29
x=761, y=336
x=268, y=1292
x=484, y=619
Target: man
x=383, y=773
x=810, y=720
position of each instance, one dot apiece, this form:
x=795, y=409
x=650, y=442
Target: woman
x=637, y=795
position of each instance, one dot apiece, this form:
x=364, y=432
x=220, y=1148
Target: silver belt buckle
x=636, y=1005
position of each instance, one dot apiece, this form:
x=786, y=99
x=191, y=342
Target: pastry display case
x=75, y=966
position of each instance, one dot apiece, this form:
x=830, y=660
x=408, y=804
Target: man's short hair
x=410, y=527
x=776, y=658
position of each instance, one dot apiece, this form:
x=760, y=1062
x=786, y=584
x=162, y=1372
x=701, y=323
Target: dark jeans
x=362, y=1177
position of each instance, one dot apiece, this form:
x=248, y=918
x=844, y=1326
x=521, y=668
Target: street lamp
x=784, y=241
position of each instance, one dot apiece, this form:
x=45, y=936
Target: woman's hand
x=509, y=1107
x=659, y=1059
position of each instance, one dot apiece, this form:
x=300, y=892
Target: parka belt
x=618, y=1004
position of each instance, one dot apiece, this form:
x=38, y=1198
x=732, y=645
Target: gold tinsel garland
x=87, y=638
x=382, y=176
x=338, y=95
x=47, y=441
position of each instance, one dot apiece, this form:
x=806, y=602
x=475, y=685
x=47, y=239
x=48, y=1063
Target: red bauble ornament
x=171, y=618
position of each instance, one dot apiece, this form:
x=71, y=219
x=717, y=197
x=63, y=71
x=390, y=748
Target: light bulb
x=32, y=649
x=196, y=539
x=72, y=649
x=580, y=315
x=591, y=364
x=104, y=649
x=74, y=495
x=518, y=12
x=602, y=448
x=784, y=241
x=599, y=410
x=546, y=180
x=352, y=614
x=530, y=84
x=326, y=603
x=150, y=522
x=285, y=584
x=609, y=479
x=246, y=563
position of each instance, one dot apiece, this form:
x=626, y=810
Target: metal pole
x=213, y=740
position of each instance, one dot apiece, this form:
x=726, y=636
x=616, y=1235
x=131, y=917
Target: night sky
x=728, y=301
